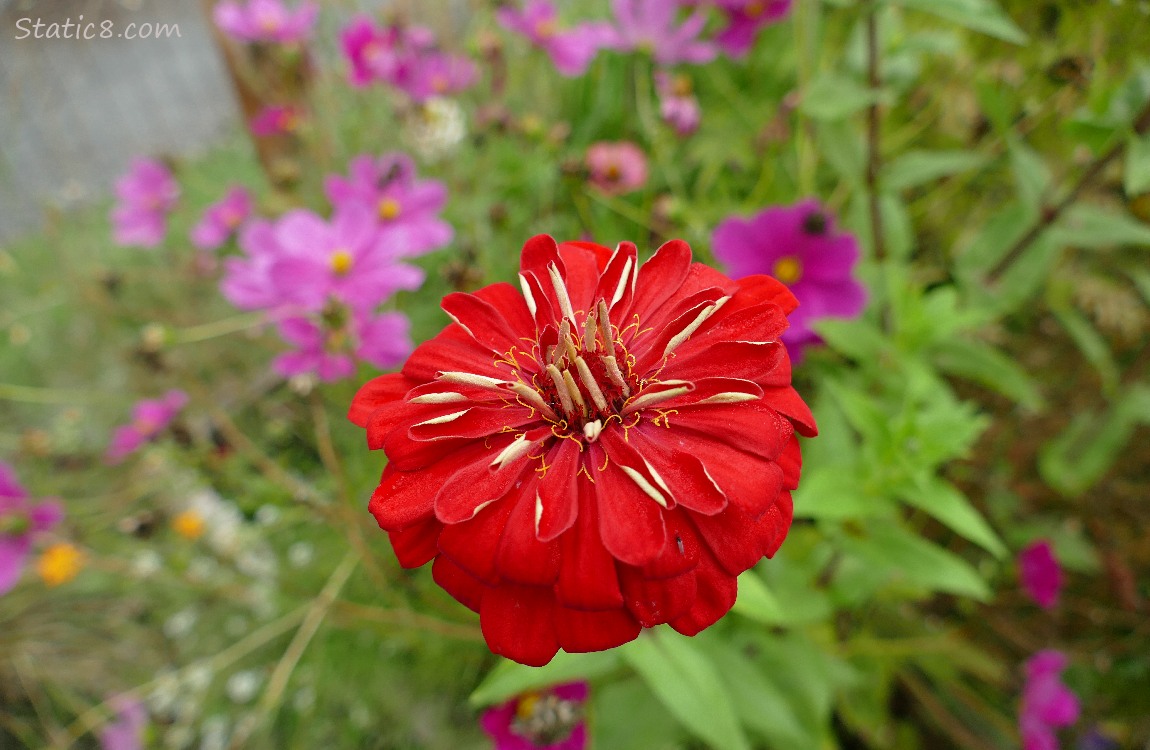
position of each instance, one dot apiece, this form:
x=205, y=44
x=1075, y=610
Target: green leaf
x=858, y=339
x=917, y=562
x=688, y=684
x=978, y=15
x=1137, y=176
x=897, y=229
x=944, y=502
x=1092, y=227
x=1092, y=345
x=509, y=679
x=834, y=97
x=1030, y=173
x=756, y=600
x=841, y=144
x=915, y=168
x=982, y=363
x=627, y=715
x=835, y=493
x=990, y=243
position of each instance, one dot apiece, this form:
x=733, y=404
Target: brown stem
x=1051, y=214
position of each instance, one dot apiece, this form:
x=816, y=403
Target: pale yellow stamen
x=389, y=209
x=341, y=262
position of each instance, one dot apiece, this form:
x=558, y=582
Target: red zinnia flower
x=603, y=452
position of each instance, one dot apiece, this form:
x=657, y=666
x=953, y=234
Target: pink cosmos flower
x=800, y=247
x=267, y=21
x=149, y=418
x=745, y=18
x=1047, y=704
x=247, y=281
x=406, y=208
x=677, y=104
x=571, y=50
x=649, y=25
x=276, y=119
x=545, y=720
x=346, y=259
x=222, y=219
x=145, y=194
x=378, y=53
x=330, y=347
x=126, y=731
x=616, y=168
x=438, y=74
x=20, y=523
x=1040, y=573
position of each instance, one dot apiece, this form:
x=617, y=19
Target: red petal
x=417, y=544
x=539, y=252
x=587, y=576
x=619, y=277
x=518, y=623
x=679, y=554
x=473, y=423
x=790, y=404
x=375, y=393
x=751, y=426
x=715, y=595
x=769, y=289
x=660, y=277
x=765, y=364
x=558, y=490
x=630, y=521
x=483, y=321
x=508, y=299
x=472, y=545
x=761, y=323
x=683, y=473
x=464, y=587
x=779, y=519
x=736, y=540
x=791, y=462
x=750, y=483
x=452, y=350
x=522, y=558
x=478, y=482
x=580, y=631
x=656, y=601
x=405, y=498
x=584, y=262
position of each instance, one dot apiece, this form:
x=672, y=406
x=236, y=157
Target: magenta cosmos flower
x=1047, y=704
x=745, y=18
x=328, y=346
x=800, y=247
x=1040, y=573
x=145, y=195
x=616, y=168
x=222, y=219
x=21, y=522
x=346, y=259
x=572, y=50
x=605, y=448
x=549, y=719
x=438, y=74
x=406, y=208
x=149, y=418
x=381, y=53
x=267, y=21
x=677, y=103
x=651, y=26
x=276, y=119
x=126, y=731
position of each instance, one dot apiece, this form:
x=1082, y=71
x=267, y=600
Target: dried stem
x=1051, y=214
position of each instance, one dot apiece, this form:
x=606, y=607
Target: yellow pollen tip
x=389, y=208
x=788, y=269
x=439, y=84
x=189, y=525
x=341, y=261
x=526, y=706
x=60, y=563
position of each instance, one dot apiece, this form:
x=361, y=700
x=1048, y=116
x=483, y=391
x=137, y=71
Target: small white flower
x=180, y=624
x=243, y=686
x=146, y=563
x=304, y=699
x=301, y=554
x=436, y=128
x=268, y=515
x=214, y=733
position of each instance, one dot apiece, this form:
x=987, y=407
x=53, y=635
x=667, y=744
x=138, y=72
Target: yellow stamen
x=788, y=269
x=755, y=9
x=60, y=563
x=389, y=208
x=341, y=262
x=189, y=525
x=545, y=29
x=525, y=708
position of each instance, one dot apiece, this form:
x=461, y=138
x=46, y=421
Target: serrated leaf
x=1092, y=227
x=984, y=16
x=916, y=168
x=858, y=339
x=833, y=97
x=1136, y=179
x=982, y=363
x=944, y=502
x=509, y=679
x=688, y=685
x=916, y=561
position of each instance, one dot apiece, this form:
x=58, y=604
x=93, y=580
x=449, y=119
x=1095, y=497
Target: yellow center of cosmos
x=389, y=209
x=545, y=29
x=788, y=269
x=525, y=708
x=189, y=524
x=60, y=563
x=755, y=9
x=341, y=262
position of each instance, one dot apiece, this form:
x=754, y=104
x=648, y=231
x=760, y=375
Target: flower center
x=341, y=262
x=754, y=9
x=439, y=83
x=613, y=172
x=60, y=563
x=788, y=269
x=545, y=719
x=389, y=209
x=189, y=524
x=545, y=28
x=815, y=223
